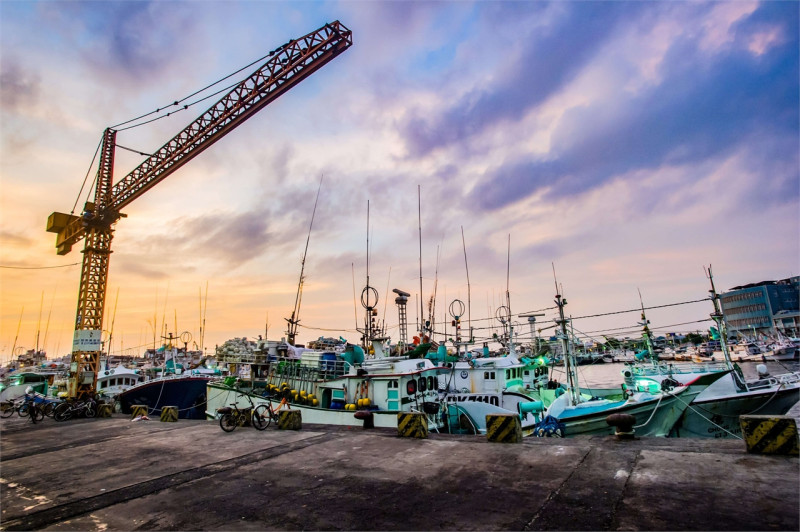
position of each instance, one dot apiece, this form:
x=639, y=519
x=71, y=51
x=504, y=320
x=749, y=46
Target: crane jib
x=287, y=66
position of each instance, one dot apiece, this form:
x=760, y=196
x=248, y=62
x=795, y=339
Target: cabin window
x=508, y=374
x=430, y=383
x=411, y=387
x=491, y=375
x=423, y=384
x=485, y=374
x=527, y=373
x=393, y=384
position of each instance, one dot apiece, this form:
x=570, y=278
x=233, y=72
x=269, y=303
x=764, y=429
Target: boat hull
x=220, y=395
x=188, y=394
x=719, y=417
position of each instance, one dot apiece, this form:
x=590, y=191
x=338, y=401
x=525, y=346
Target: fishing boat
x=655, y=405
x=15, y=385
x=498, y=384
x=334, y=388
x=116, y=380
x=714, y=413
x=175, y=386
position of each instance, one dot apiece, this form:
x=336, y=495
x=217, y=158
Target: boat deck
x=115, y=474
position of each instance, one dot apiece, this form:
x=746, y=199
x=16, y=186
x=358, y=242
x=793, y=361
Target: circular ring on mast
x=370, y=293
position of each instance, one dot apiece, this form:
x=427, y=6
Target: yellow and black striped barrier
x=138, y=410
x=169, y=413
x=290, y=420
x=503, y=428
x=770, y=434
x=105, y=410
x=412, y=425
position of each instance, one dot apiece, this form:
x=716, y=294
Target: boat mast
x=291, y=332
x=574, y=393
x=646, y=336
x=719, y=319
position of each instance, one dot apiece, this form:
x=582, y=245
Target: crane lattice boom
x=286, y=67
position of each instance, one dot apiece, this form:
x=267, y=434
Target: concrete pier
x=115, y=474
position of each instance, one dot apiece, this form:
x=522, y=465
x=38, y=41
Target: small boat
x=112, y=382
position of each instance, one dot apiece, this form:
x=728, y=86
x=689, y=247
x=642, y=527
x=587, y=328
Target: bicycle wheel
x=49, y=409
x=7, y=409
x=261, y=417
x=62, y=412
x=228, y=422
x=23, y=409
x=90, y=409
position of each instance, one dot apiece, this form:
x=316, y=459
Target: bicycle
x=7, y=408
x=267, y=414
x=232, y=416
x=30, y=407
x=68, y=409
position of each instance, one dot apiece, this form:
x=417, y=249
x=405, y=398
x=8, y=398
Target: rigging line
x=87, y=175
x=177, y=102
x=185, y=107
x=329, y=330
x=134, y=151
x=640, y=309
x=634, y=329
x=38, y=267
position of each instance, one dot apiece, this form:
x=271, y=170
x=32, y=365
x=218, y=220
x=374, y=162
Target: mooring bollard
x=368, y=418
x=138, y=410
x=624, y=425
x=105, y=410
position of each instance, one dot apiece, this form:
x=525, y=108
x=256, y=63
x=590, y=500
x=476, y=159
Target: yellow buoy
x=314, y=402
x=366, y=401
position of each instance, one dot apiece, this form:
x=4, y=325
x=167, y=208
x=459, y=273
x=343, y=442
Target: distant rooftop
x=787, y=281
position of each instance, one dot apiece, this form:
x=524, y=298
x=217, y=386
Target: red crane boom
x=286, y=67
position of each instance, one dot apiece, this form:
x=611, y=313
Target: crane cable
x=87, y=176
x=186, y=106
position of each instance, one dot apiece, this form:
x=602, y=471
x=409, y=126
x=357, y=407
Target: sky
x=622, y=145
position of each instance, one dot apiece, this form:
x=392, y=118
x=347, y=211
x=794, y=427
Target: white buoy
x=762, y=371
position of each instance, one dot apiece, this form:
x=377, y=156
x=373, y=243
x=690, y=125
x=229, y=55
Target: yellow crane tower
x=286, y=67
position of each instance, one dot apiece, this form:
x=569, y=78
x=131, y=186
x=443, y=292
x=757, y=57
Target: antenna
x=508, y=276
x=19, y=323
x=419, y=220
x=469, y=298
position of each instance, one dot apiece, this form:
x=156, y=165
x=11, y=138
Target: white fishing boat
x=334, y=388
x=115, y=380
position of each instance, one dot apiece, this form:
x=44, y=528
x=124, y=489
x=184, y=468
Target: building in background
x=764, y=308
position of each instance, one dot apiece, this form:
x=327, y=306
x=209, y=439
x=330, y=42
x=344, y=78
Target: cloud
x=547, y=61
x=130, y=41
x=705, y=108
x=19, y=87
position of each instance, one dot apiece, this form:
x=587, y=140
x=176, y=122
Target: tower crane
x=287, y=66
